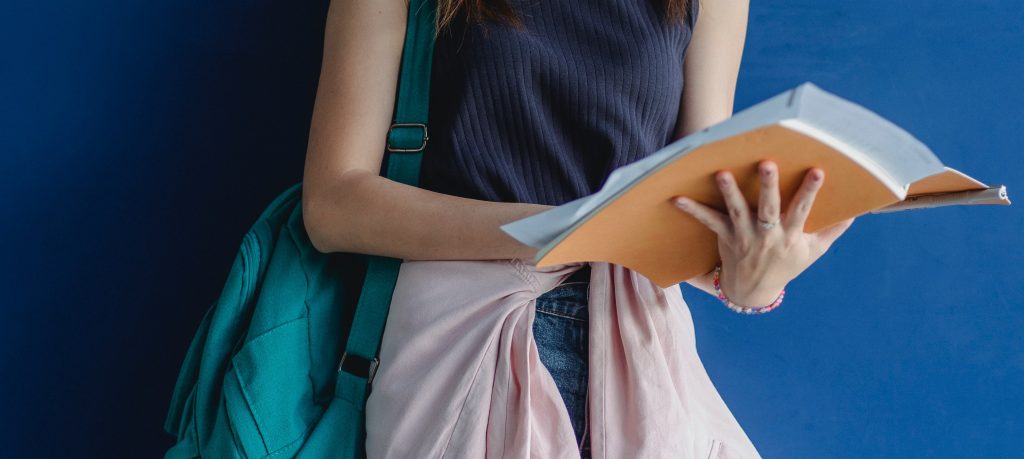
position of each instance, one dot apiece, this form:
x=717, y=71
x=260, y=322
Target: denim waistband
x=567, y=300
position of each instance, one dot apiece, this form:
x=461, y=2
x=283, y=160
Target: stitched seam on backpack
x=253, y=403
x=309, y=316
x=252, y=239
x=282, y=449
x=309, y=355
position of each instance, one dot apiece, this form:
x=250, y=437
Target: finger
x=736, y=205
x=768, y=198
x=800, y=206
x=713, y=219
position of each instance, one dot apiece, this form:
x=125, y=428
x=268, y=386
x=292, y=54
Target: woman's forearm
x=363, y=212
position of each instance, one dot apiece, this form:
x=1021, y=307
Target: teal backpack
x=282, y=362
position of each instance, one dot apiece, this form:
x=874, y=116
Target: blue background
x=138, y=141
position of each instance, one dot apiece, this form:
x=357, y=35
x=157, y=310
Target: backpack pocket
x=341, y=432
x=268, y=392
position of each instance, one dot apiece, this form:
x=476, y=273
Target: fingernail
x=683, y=203
x=816, y=175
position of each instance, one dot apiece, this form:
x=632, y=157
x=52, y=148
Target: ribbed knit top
x=545, y=114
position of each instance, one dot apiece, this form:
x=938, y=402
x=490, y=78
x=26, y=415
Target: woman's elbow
x=328, y=210
x=315, y=219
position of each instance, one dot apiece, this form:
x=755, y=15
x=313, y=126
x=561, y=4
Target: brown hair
x=501, y=11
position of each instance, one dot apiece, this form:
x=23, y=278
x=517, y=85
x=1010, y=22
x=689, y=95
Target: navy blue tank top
x=543, y=115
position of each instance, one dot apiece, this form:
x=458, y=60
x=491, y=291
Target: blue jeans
x=560, y=330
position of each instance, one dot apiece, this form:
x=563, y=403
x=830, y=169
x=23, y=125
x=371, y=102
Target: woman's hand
x=757, y=262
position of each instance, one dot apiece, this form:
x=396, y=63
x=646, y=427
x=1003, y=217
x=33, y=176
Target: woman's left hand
x=756, y=262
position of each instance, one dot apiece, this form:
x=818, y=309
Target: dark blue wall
x=138, y=140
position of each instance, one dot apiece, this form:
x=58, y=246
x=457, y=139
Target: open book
x=871, y=165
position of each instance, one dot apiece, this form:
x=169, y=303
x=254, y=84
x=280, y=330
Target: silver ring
x=767, y=225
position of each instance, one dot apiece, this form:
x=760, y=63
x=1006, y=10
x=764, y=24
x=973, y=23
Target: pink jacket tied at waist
x=460, y=377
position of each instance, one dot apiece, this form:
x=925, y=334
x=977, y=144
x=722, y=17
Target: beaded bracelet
x=744, y=309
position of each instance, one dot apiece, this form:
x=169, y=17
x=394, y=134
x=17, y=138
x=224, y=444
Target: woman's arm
x=710, y=71
x=347, y=205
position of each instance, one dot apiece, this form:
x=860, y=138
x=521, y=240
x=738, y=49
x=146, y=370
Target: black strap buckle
x=359, y=366
x=423, y=145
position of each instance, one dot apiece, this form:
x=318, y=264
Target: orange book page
x=644, y=231
x=946, y=181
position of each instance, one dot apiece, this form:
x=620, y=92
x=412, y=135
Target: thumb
x=832, y=232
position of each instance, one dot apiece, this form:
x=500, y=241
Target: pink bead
x=744, y=309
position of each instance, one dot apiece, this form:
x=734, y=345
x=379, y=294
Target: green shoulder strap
x=405, y=143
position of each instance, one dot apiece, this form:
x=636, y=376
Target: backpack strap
x=406, y=140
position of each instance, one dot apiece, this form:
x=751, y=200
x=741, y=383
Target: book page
x=901, y=156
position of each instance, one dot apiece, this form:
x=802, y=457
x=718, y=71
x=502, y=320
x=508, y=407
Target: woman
x=533, y=103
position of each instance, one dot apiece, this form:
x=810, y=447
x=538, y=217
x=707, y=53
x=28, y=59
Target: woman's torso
x=543, y=115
